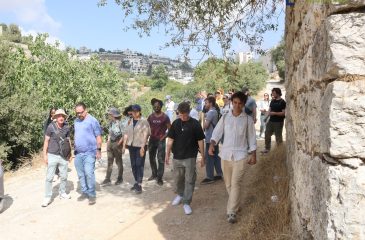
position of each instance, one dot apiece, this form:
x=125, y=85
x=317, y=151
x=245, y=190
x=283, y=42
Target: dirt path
x=118, y=213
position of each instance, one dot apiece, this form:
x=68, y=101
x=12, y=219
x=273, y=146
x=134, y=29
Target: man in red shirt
x=159, y=123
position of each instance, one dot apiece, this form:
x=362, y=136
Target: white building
x=244, y=57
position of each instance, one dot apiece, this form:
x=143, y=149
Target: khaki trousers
x=233, y=173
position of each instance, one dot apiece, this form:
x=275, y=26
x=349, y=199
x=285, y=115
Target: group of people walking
x=224, y=135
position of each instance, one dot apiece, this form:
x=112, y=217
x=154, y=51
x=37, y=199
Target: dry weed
x=267, y=205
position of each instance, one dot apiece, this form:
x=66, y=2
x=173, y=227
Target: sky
x=78, y=23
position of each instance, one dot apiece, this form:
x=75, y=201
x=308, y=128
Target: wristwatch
x=99, y=149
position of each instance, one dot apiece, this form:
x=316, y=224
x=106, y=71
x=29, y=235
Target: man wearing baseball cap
x=56, y=139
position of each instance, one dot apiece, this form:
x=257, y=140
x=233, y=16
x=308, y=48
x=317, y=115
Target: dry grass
x=262, y=218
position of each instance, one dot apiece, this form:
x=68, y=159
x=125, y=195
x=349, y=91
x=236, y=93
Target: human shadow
x=55, y=190
x=8, y=201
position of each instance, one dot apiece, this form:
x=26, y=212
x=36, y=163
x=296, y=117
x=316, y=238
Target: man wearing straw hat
x=56, y=152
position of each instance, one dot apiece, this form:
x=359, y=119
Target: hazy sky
x=79, y=23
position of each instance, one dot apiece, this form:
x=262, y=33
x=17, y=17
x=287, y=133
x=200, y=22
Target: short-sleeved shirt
x=212, y=117
x=250, y=106
x=86, y=132
x=277, y=106
x=53, y=145
x=158, y=125
x=186, y=135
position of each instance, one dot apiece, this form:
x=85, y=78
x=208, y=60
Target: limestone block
x=339, y=46
x=328, y=202
x=343, y=131
x=344, y=5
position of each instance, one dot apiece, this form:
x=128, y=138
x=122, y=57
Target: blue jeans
x=170, y=114
x=213, y=162
x=53, y=162
x=85, y=167
x=137, y=163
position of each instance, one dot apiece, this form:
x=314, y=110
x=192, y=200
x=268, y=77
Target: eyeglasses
x=80, y=113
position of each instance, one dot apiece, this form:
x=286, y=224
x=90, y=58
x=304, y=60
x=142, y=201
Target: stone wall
x=325, y=83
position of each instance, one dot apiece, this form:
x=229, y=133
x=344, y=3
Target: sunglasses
x=79, y=113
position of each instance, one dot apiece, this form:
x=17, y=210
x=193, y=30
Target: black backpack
x=63, y=143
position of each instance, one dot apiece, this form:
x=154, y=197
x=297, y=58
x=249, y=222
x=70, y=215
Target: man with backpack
x=114, y=146
x=213, y=162
x=56, y=152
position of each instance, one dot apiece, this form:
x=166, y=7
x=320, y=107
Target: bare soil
x=118, y=213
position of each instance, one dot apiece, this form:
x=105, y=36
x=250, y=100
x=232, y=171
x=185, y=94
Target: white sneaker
x=177, y=200
x=187, y=209
x=64, y=196
x=46, y=202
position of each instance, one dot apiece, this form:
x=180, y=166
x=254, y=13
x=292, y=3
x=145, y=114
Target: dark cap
x=136, y=108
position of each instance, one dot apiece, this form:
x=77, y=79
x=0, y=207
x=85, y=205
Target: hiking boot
x=82, y=197
x=46, y=201
x=231, y=218
x=217, y=178
x=207, y=181
x=152, y=178
x=92, y=200
x=119, y=181
x=134, y=187
x=106, y=182
x=64, y=196
x=159, y=182
x=177, y=200
x=138, y=189
x=187, y=209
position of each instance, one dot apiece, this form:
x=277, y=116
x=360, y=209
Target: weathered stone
x=325, y=122
x=343, y=107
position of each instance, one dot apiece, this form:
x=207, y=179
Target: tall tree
x=159, y=77
x=278, y=57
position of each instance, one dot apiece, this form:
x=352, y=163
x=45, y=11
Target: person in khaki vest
x=114, y=146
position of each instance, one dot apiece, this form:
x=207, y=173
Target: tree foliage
x=31, y=83
x=159, y=77
x=278, y=56
x=197, y=23
x=11, y=33
x=216, y=74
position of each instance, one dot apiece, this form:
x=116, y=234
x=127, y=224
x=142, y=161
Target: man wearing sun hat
x=114, y=146
x=56, y=153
